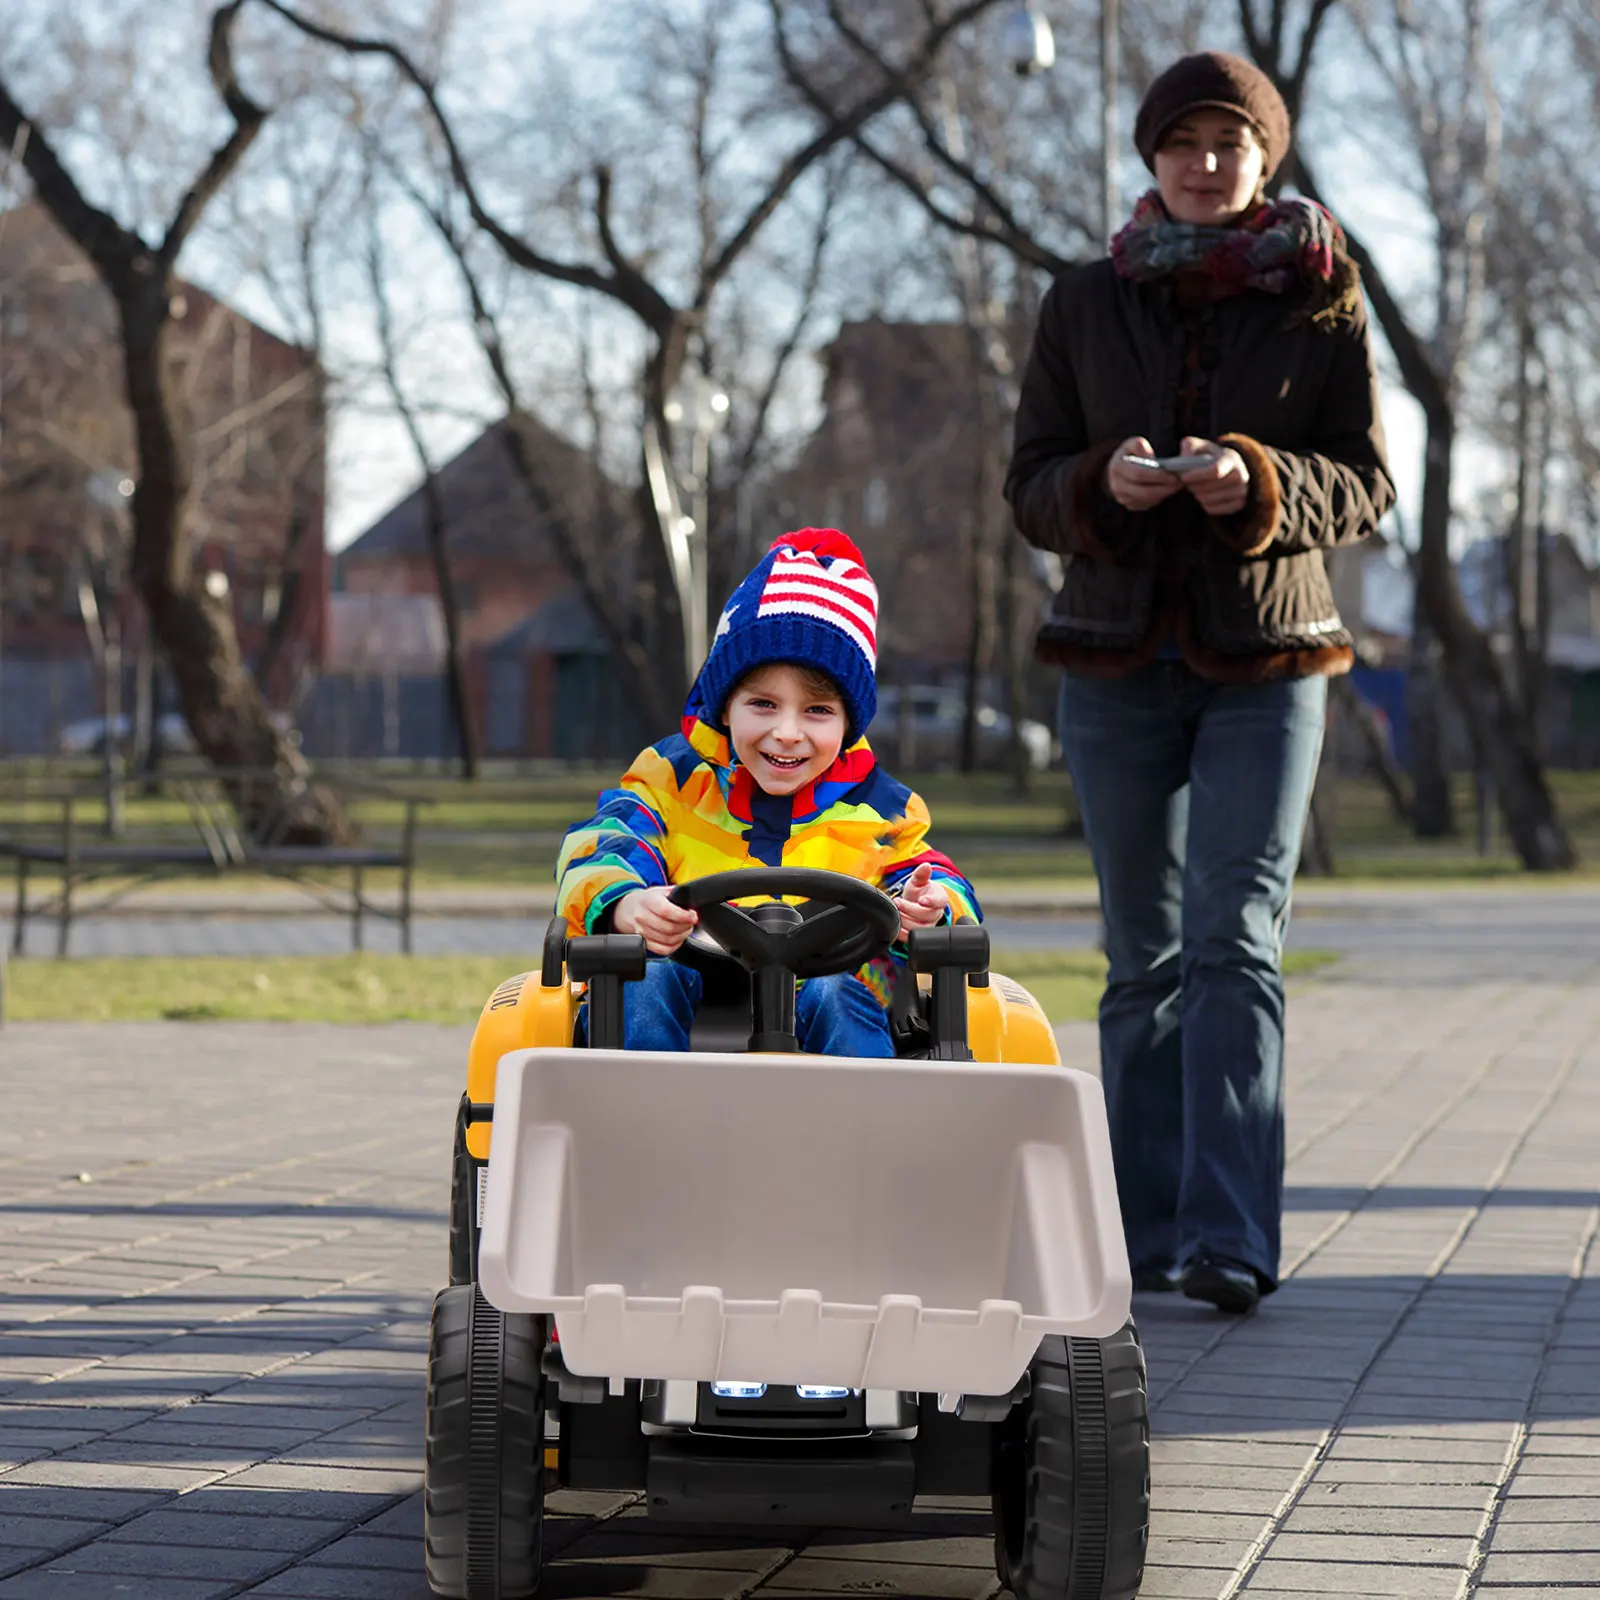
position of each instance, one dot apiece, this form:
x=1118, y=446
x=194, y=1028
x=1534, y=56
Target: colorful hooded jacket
x=687, y=808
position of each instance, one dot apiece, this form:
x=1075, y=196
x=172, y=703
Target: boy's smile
x=784, y=728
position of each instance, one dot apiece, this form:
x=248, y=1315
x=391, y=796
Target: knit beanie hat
x=1214, y=81
x=809, y=602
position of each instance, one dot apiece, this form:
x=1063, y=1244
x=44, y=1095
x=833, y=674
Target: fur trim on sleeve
x=1102, y=525
x=1249, y=532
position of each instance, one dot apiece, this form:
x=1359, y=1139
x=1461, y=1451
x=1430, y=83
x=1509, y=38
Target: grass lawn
x=451, y=989
x=507, y=829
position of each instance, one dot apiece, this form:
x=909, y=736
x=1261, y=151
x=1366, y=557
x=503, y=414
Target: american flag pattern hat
x=810, y=601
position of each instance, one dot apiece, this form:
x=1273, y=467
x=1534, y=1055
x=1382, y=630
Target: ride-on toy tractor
x=764, y=1287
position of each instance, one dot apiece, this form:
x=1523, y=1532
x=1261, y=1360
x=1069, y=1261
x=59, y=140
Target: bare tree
x=674, y=326
x=220, y=698
x=1439, y=76
x=435, y=517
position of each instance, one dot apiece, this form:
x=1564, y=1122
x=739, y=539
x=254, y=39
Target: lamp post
x=1109, y=72
x=1029, y=41
x=701, y=403
x=103, y=621
x=1030, y=46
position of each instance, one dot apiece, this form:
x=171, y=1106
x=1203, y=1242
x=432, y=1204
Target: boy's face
x=783, y=730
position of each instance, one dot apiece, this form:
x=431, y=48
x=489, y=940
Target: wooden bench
x=211, y=845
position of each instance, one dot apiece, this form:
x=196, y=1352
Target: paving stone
x=325, y=1252
x=371, y=1552
x=125, y=1558
x=1415, y=1521
x=1402, y=1582
x=1547, y=1566
x=1562, y=1508
x=46, y=1533
x=1539, y=1592
x=92, y=1475
x=1396, y=1548
x=50, y=1584
x=811, y=1576
x=846, y=1545
x=179, y=1523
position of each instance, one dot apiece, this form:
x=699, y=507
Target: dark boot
x=1230, y=1286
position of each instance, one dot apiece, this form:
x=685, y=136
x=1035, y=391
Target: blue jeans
x=837, y=1016
x=1194, y=799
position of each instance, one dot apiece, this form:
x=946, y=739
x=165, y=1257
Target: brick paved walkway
x=211, y=1351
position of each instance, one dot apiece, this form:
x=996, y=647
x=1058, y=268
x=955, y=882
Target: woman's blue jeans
x=1194, y=798
x=837, y=1016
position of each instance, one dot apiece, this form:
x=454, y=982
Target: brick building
x=256, y=419
x=538, y=669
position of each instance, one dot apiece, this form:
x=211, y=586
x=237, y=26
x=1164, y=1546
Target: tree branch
x=1008, y=232
x=568, y=547
x=809, y=289
x=631, y=289
x=1417, y=369
x=842, y=126
x=247, y=120
x=97, y=233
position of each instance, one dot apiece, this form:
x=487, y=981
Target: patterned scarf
x=1280, y=244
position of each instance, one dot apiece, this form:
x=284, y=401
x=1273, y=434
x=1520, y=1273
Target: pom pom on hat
x=809, y=601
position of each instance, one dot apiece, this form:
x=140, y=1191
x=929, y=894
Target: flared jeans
x=1194, y=798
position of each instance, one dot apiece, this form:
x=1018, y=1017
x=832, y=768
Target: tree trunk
x=1433, y=813
x=272, y=676
x=978, y=588
x=1501, y=739
x=224, y=708
x=1380, y=750
x=444, y=578
x=195, y=631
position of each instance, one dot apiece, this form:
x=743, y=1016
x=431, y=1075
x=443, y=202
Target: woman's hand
x=650, y=912
x=1222, y=486
x=922, y=902
x=1138, y=488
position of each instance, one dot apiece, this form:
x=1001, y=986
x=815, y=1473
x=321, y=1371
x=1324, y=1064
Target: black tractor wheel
x=483, y=1483
x=1072, y=1474
x=463, y=1203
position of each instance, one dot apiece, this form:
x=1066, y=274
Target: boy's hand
x=923, y=902
x=650, y=912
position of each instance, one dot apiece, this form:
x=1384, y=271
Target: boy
x=770, y=768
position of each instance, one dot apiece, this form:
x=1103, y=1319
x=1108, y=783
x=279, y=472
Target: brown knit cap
x=1214, y=80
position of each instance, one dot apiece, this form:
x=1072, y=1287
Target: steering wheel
x=856, y=922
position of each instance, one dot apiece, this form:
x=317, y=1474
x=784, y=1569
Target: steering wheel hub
x=777, y=943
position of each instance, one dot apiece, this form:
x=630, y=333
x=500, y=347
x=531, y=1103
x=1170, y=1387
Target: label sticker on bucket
x=483, y=1190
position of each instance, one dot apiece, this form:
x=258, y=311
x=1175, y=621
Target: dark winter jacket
x=1246, y=596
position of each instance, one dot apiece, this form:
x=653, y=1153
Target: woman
x=1197, y=631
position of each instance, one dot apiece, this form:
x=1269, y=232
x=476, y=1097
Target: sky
x=376, y=466
x=371, y=462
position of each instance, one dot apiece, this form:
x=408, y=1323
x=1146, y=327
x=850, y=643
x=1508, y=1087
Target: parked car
x=87, y=736
x=937, y=716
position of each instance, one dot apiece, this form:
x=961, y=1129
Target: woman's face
x=1208, y=168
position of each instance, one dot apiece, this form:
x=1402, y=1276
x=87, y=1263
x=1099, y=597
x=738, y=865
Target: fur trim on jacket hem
x=1265, y=666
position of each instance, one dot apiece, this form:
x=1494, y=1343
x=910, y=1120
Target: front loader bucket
x=915, y=1225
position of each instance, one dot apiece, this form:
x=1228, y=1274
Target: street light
x=704, y=405
x=1029, y=40
x=102, y=621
